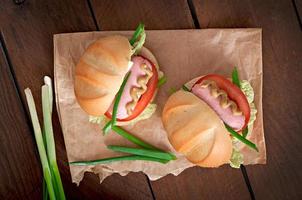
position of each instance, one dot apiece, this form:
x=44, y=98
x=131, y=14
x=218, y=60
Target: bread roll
x=195, y=130
x=100, y=72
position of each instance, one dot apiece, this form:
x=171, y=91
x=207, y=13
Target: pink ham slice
x=226, y=115
x=136, y=72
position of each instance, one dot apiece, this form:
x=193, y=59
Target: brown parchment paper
x=182, y=56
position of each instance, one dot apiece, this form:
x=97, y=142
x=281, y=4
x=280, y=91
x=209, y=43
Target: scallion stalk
x=50, y=144
x=241, y=138
x=118, y=99
x=107, y=127
x=132, y=138
x=116, y=159
x=137, y=33
x=245, y=132
x=235, y=77
x=40, y=143
x=161, y=81
x=143, y=152
x=185, y=88
x=112, y=122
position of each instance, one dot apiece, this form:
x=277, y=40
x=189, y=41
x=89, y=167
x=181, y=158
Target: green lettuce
x=101, y=120
x=237, y=157
x=146, y=114
x=248, y=91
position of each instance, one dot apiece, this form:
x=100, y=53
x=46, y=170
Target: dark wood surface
x=282, y=64
x=26, y=55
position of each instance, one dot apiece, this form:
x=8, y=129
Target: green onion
x=115, y=159
x=132, y=138
x=245, y=132
x=172, y=90
x=137, y=33
x=40, y=143
x=112, y=122
x=118, y=99
x=143, y=152
x=50, y=144
x=47, y=81
x=45, y=191
x=241, y=138
x=185, y=88
x=161, y=81
x=107, y=127
x=235, y=77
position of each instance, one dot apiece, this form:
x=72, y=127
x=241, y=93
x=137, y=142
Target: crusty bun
x=195, y=130
x=100, y=72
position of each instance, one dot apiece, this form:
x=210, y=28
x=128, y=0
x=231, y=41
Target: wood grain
x=194, y=183
x=298, y=5
x=28, y=32
x=126, y=15
x=282, y=60
x=19, y=165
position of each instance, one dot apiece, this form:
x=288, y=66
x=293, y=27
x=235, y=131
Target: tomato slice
x=145, y=98
x=234, y=93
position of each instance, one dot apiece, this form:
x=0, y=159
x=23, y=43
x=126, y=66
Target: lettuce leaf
x=146, y=114
x=237, y=157
x=248, y=91
x=101, y=120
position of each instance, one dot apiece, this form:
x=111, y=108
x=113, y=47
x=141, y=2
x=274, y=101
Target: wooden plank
x=282, y=58
x=298, y=7
x=194, y=183
x=28, y=32
x=118, y=15
x=20, y=176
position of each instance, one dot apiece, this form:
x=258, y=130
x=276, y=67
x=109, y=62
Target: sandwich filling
x=233, y=102
x=136, y=86
x=218, y=100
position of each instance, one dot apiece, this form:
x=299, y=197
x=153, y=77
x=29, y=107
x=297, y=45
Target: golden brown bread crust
x=100, y=72
x=195, y=130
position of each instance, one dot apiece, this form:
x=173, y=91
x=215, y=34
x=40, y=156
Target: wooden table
x=26, y=55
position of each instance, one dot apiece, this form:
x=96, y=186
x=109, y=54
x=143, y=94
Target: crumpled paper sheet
x=182, y=56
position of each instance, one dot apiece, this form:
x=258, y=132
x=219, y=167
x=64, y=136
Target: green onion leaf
x=115, y=159
x=132, y=138
x=185, y=88
x=172, y=90
x=40, y=143
x=235, y=77
x=45, y=191
x=139, y=44
x=118, y=99
x=137, y=33
x=107, y=127
x=241, y=138
x=245, y=132
x=143, y=152
x=50, y=143
x=161, y=81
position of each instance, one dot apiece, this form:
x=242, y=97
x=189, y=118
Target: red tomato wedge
x=145, y=98
x=234, y=93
